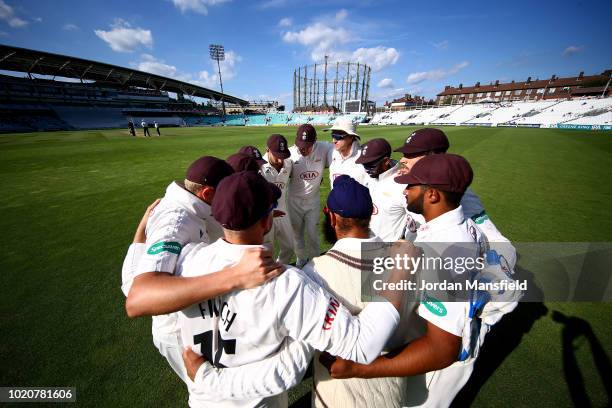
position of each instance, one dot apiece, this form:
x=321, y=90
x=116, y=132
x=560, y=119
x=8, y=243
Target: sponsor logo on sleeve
x=434, y=306
x=165, y=246
x=280, y=185
x=480, y=218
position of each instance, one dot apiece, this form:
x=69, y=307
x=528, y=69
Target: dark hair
x=452, y=198
x=346, y=224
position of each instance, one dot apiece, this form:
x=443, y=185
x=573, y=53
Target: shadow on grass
x=499, y=343
x=573, y=329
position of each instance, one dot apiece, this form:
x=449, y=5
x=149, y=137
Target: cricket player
x=277, y=170
x=347, y=219
x=389, y=216
x=145, y=128
x=346, y=152
x=434, y=188
x=245, y=326
x=182, y=216
x=310, y=157
x=427, y=141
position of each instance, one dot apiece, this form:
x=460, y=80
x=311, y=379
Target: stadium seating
x=85, y=117
x=463, y=114
x=541, y=113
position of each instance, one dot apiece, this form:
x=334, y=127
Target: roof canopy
x=45, y=63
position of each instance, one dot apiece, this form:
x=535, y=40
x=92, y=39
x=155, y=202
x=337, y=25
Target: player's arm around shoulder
x=310, y=313
x=157, y=291
x=270, y=376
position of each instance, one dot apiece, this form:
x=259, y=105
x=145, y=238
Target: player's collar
x=233, y=251
x=353, y=244
x=453, y=217
x=188, y=201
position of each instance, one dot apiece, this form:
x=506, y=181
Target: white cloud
x=38, y=19
x=272, y=4
x=123, y=38
x=442, y=45
x=228, y=71
x=417, y=77
x=319, y=37
x=341, y=15
x=285, y=22
x=70, y=27
x=330, y=39
x=571, y=50
x=377, y=58
x=197, y=6
x=7, y=14
x=385, y=83
x=149, y=63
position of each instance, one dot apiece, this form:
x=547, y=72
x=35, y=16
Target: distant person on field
x=131, y=128
x=156, y=128
x=145, y=128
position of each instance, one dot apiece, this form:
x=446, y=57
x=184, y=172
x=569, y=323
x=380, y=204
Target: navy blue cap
x=349, y=199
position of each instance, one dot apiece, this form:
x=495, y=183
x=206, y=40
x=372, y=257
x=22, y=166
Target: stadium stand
x=101, y=96
x=547, y=113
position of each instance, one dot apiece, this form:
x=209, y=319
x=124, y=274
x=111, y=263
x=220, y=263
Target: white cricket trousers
x=282, y=233
x=171, y=347
x=443, y=385
x=304, y=215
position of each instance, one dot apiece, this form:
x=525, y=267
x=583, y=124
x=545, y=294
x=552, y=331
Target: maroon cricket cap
x=447, y=172
x=425, y=140
x=254, y=153
x=374, y=150
x=208, y=170
x=242, y=199
x=278, y=146
x=305, y=136
x=242, y=162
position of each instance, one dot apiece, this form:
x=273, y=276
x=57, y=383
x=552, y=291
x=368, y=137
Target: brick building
x=529, y=90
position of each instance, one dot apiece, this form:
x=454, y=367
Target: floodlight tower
x=217, y=53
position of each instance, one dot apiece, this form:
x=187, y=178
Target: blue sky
x=413, y=47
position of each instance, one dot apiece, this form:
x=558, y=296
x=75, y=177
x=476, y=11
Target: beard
x=328, y=231
x=416, y=206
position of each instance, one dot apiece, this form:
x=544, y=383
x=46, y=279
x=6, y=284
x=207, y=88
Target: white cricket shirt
x=245, y=326
x=389, y=216
x=307, y=171
x=346, y=165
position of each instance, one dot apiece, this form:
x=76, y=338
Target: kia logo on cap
x=309, y=175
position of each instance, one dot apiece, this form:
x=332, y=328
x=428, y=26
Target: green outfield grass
x=70, y=202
